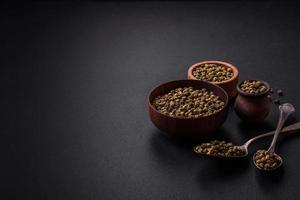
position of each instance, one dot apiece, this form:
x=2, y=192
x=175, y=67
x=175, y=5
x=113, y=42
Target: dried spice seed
x=277, y=101
x=279, y=92
x=265, y=160
x=253, y=87
x=271, y=90
x=212, y=72
x=188, y=102
x=219, y=148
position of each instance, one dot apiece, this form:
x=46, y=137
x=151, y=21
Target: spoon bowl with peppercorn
x=221, y=149
x=268, y=160
x=227, y=150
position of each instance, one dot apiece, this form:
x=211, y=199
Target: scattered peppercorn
x=277, y=101
x=219, y=149
x=188, y=102
x=266, y=161
x=253, y=87
x=212, y=72
x=279, y=92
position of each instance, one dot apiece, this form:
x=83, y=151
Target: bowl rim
x=234, y=68
x=240, y=91
x=192, y=119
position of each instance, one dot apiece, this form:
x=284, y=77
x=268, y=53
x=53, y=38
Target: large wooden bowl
x=188, y=128
x=229, y=85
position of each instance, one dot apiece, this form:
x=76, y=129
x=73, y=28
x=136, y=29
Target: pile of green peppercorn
x=188, y=102
x=253, y=87
x=220, y=149
x=212, y=72
x=267, y=161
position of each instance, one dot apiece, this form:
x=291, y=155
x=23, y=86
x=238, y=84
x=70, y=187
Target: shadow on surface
x=178, y=155
x=159, y=137
x=289, y=136
x=254, y=129
x=170, y=154
x=268, y=180
x=168, y=150
x=219, y=171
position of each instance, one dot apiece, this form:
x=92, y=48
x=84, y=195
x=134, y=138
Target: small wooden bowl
x=253, y=108
x=229, y=85
x=187, y=128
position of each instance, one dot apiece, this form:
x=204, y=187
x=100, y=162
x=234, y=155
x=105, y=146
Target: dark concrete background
x=75, y=77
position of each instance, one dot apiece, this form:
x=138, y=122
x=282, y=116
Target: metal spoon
x=288, y=129
x=286, y=110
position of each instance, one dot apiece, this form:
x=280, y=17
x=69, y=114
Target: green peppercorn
x=253, y=87
x=279, y=92
x=266, y=160
x=212, y=72
x=219, y=148
x=188, y=102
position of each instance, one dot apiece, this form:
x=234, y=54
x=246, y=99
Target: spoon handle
x=288, y=129
x=285, y=111
x=291, y=128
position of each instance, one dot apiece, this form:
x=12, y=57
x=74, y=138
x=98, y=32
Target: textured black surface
x=75, y=78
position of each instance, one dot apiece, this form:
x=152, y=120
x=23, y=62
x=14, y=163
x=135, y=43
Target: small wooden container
x=229, y=85
x=187, y=128
x=253, y=107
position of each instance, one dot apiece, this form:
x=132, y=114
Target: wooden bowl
x=187, y=128
x=253, y=108
x=229, y=85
